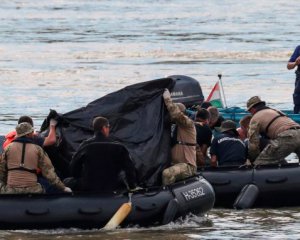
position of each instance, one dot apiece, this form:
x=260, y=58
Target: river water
x=62, y=54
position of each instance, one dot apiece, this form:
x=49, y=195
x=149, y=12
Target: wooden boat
x=155, y=206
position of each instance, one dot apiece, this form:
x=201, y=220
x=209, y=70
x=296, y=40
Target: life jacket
x=9, y=138
x=21, y=166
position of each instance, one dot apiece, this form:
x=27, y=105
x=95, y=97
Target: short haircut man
x=202, y=114
x=25, y=119
x=206, y=105
x=244, y=122
x=214, y=114
x=99, y=123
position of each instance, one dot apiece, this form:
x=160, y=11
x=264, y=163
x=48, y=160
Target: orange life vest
x=9, y=138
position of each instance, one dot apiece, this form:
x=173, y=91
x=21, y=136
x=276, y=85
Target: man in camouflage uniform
x=19, y=163
x=184, y=151
x=283, y=132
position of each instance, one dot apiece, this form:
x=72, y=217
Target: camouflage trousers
x=286, y=143
x=19, y=190
x=177, y=172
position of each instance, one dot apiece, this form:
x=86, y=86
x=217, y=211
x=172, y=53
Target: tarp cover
x=138, y=119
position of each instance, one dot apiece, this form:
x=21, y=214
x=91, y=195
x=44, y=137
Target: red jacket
x=9, y=138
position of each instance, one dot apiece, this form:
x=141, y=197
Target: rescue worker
x=99, y=162
x=293, y=62
x=204, y=136
x=244, y=127
x=215, y=120
x=183, y=153
x=46, y=141
x=41, y=141
x=226, y=148
x=19, y=162
x=283, y=132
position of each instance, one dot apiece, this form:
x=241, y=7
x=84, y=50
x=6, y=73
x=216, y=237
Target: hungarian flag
x=215, y=96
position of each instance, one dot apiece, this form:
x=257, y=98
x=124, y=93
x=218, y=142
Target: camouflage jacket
x=268, y=122
x=186, y=133
x=35, y=157
x=254, y=138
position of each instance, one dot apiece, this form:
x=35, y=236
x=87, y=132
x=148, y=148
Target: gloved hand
x=166, y=94
x=53, y=114
x=136, y=189
x=53, y=122
x=248, y=163
x=67, y=190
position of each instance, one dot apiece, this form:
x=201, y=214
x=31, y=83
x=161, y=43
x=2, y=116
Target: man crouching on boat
x=283, y=132
x=20, y=161
x=184, y=151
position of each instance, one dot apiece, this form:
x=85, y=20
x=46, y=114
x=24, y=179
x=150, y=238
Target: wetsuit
x=98, y=163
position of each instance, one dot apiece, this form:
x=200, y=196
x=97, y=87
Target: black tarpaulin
x=138, y=119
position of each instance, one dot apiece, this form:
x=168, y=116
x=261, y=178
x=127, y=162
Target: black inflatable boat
x=263, y=186
x=154, y=206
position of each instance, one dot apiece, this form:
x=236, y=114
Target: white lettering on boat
x=193, y=193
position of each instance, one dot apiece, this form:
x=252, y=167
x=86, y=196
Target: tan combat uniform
x=21, y=178
x=184, y=152
x=283, y=132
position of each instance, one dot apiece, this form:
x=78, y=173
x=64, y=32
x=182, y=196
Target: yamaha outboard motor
x=187, y=90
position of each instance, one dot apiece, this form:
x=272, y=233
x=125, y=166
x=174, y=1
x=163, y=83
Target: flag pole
x=221, y=84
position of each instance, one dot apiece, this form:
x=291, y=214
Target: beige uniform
x=283, y=132
x=18, y=178
x=184, y=152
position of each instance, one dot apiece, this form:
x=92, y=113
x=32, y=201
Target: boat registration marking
x=193, y=193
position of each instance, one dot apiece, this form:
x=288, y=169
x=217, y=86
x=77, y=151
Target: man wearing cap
x=19, y=162
x=226, y=148
x=283, y=132
x=183, y=153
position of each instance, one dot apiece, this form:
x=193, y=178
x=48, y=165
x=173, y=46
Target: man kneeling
x=20, y=161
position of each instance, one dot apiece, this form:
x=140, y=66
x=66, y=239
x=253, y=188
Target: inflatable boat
x=237, y=113
x=155, y=206
x=262, y=186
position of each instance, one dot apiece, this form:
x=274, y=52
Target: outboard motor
x=194, y=195
x=187, y=90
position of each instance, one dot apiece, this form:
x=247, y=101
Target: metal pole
x=221, y=85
